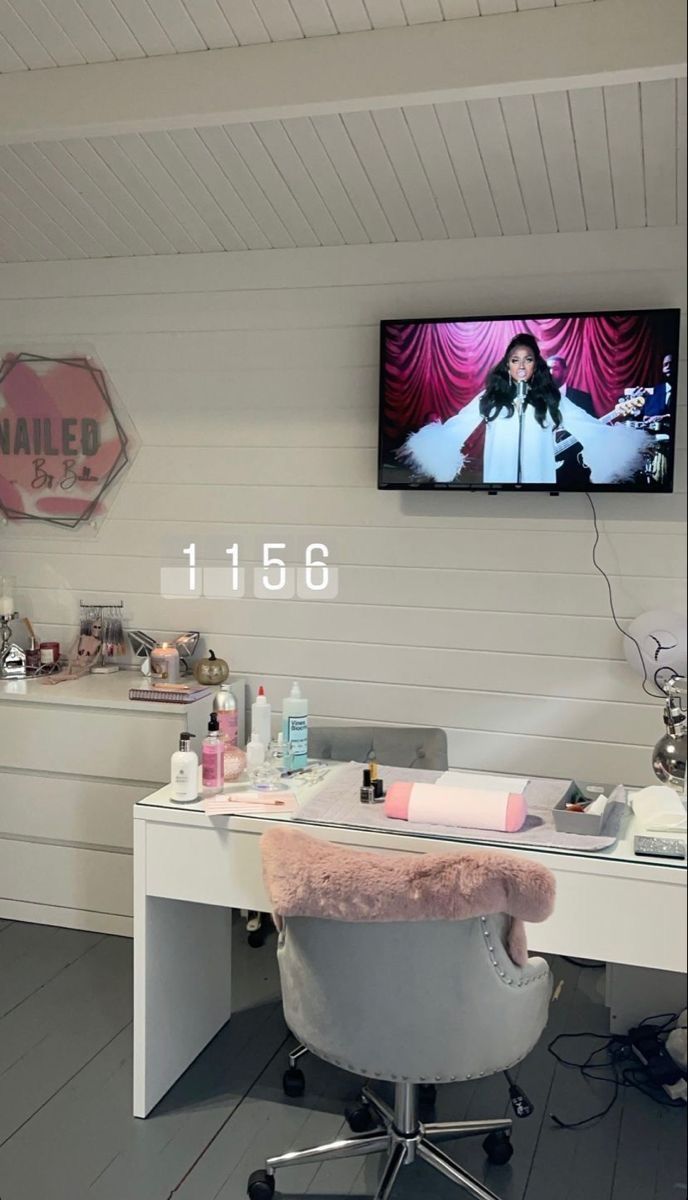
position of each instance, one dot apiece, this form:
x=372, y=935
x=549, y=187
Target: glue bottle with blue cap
x=295, y=727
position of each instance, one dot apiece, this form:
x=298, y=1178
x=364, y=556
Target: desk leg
x=182, y=983
x=635, y=993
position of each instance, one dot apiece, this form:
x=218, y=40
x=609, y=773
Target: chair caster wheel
x=359, y=1119
x=261, y=1186
x=256, y=938
x=293, y=1082
x=498, y=1147
x=427, y=1094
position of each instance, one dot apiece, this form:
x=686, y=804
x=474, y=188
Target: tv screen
x=555, y=403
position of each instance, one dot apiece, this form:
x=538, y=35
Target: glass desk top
x=306, y=785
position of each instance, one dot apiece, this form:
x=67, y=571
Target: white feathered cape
x=612, y=453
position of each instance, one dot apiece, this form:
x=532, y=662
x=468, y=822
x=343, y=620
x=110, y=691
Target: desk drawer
x=101, y=742
x=66, y=877
x=68, y=809
x=208, y=866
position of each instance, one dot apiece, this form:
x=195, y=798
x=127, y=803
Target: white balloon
x=661, y=637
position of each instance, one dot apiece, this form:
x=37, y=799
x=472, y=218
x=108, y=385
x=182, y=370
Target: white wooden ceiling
x=596, y=158
x=37, y=34
x=519, y=161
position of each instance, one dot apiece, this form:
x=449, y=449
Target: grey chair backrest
x=414, y=746
x=411, y=1000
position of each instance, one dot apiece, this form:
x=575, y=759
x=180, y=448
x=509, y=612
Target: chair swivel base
x=400, y=1135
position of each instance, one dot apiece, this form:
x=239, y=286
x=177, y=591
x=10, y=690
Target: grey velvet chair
x=395, y=746
x=411, y=1001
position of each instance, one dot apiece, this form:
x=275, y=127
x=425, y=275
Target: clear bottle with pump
x=261, y=718
x=295, y=727
x=225, y=706
x=213, y=758
x=279, y=754
x=184, y=771
x=255, y=753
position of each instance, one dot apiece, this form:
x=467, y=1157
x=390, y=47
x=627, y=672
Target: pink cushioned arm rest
x=308, y=877
x=468, y=808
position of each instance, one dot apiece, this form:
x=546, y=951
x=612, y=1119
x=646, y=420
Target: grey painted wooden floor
x=66, y=1132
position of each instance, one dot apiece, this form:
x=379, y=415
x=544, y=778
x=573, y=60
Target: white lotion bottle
x=184, y=771
x=261, y=719
x=295, y=727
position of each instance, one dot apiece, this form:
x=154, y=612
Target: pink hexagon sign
x=62, y=444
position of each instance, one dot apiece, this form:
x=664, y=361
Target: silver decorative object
x=12, y=657
x=669, y=755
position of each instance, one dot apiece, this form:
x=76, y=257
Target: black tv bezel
x=550, y=489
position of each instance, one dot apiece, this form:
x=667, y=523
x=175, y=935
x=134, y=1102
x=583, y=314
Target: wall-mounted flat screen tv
x=554, y=403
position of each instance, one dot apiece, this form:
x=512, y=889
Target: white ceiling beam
x=541, y=50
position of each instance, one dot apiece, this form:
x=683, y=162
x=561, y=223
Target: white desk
x=190, y=870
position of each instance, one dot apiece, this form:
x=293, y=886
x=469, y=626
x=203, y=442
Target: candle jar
x=49, y=653
x=164, y=660
x=7, y=591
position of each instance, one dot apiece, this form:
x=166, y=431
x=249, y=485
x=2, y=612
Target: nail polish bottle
x=367, y=793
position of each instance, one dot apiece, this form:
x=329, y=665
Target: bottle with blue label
x=295, y=727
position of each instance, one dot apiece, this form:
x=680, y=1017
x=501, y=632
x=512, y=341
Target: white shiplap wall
x=252, y=380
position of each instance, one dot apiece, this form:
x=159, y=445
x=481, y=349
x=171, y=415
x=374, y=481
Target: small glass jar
x=266, y=777
x=33, y=659
x=269, y=776
x=279, y=753
x=235, y=762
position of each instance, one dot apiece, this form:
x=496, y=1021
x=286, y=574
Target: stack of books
x=170, y=693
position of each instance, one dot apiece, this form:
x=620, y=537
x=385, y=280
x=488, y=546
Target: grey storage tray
x=583, y=822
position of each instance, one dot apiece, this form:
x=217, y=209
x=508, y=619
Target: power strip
x=677, y=1091
x=661, y=1069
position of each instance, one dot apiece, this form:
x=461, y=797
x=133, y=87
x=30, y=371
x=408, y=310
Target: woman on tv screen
x=522, y=408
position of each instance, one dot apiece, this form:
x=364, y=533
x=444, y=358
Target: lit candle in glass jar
x=6, y=596
x=165, y=663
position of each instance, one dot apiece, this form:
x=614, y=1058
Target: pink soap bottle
x=212, y=758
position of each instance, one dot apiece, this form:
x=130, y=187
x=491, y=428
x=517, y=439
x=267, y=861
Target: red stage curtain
x=432, y=370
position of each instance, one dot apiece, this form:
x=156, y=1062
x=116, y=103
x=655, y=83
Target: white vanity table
x=74, y=757
x=191, y=869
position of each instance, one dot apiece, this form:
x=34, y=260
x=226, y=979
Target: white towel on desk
x=659, y=810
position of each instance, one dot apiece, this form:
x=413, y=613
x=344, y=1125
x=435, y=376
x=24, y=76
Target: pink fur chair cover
x=307, y=877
